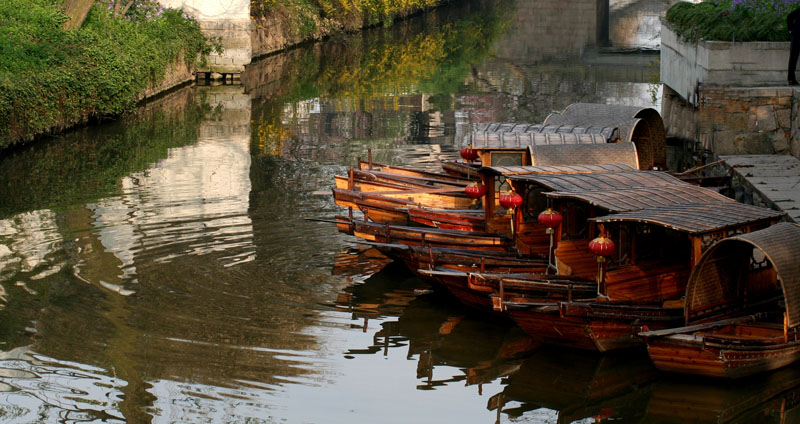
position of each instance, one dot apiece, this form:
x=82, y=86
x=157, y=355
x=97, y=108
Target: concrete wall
x=684, y=65
x=228, y=20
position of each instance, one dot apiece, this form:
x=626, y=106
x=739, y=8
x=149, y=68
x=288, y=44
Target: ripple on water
x=36, y=388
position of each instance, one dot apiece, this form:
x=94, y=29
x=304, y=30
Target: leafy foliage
x=732, y=20
x=308, y=15
x=52, y=78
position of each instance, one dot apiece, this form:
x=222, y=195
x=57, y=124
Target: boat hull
x=690, y=355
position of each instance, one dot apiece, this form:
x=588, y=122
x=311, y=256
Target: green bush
x=732, y=20
x=51, y=78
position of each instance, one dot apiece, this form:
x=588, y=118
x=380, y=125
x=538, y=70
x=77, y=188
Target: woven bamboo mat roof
x=557, y=169
x=716, y=279
x=515, y=140
x=631, y=199
x=697, y=218
x=600, y=182
x=642, y=126
x=577, y=154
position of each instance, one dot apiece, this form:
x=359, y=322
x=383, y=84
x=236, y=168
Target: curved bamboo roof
x=631, y=199
x=716, y=279
x=556, y=169
x=600, y=182
x=521, y=140
x=697, y=218
x=642, y=126
x=576, y=154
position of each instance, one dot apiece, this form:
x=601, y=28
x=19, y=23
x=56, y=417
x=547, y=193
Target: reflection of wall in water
x=550, y=59
x=545, y=30
x=636, y=23
x=201, y=190
x=551, y=29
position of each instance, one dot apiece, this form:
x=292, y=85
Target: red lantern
x=510, y=200
x=602, y=246
x=549, y=218
x=475, y=191
x=468, y=153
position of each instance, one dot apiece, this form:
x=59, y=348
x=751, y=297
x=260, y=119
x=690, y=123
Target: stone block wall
x=737, y=120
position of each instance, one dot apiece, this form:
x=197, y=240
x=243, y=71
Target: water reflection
x=161, y=262
x=771, y=398
x=36, y=388
x=448, y=343
x=567, y=386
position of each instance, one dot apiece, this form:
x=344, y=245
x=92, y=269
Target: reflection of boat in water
x=769, y=398
x=359, y=262
x=577, y=385
x=437, y=330
x=385, y=293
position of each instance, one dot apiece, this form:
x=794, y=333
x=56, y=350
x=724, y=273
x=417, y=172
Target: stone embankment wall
x=685, y=65
x=737, y=120
x=729, y=96
x=177, y=73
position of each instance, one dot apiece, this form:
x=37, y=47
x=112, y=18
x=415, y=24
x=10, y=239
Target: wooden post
x=697, y=250
x=502, y=297
x=350, y=182
x=785, y=327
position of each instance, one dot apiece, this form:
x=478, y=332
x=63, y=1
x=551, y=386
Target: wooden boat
x=409, y=172
x=641, y=283
x=371, y=180
x=440, y=202
x=638, y=280
x=461, y=169
x=437, y=213
x=742, y=309
x=474, y=289
x=465, y=260
x=423, y=236
x=453, y=198
x=450, y=219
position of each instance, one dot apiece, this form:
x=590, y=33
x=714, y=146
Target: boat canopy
x=625, y=200
x=556, y=169
x=642, y=126
x=575, y=154
x=717, y=279
x=697, y=218
x=601, y=182
x=520, y=136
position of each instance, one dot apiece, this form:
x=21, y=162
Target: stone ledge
x=748, y=64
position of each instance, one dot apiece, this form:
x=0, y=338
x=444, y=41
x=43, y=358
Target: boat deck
x=776, y=178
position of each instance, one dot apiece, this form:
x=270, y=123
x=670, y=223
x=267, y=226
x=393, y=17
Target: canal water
x=160, y=267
